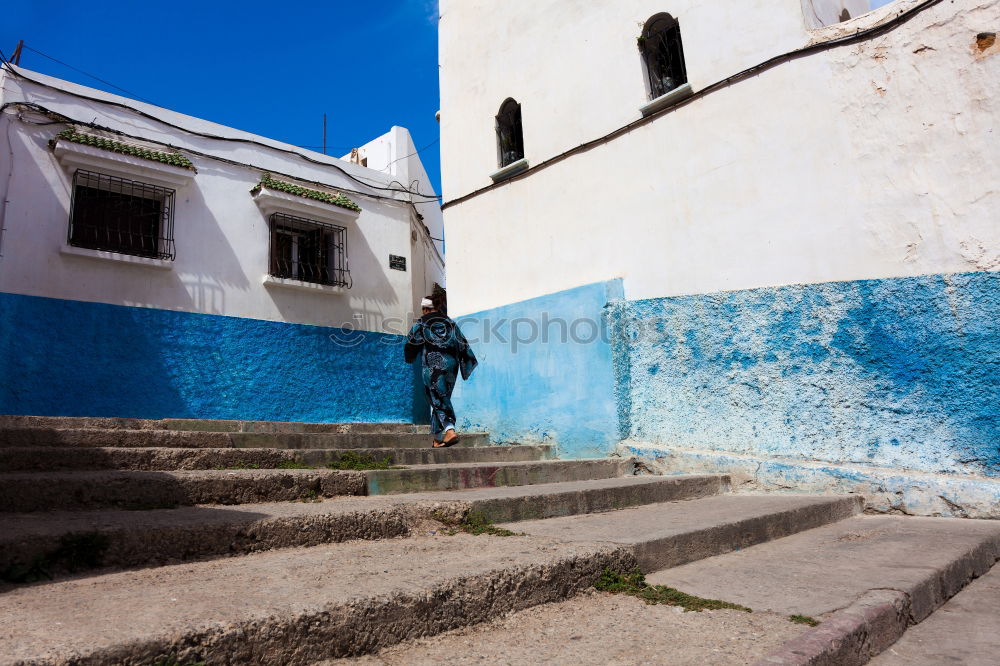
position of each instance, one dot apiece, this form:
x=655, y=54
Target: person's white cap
x=426, y=303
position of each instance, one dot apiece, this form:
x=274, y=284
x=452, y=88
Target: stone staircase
x=125, y=541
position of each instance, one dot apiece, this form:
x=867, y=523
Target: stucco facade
x=806, y=244
x=279, y=348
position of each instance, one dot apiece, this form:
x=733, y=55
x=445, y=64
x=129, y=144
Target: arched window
x=660, y=45
x=510, y=140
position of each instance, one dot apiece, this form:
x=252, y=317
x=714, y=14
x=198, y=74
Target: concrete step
x=866, y=578
x=966, y=630
x=597, y=629
x=204, y=425
x=421, y=478
x=138, y=490
x=295, y=606
x=668, y=535
x=92, y=437
x=131, y=538
x=48, y=491
x=54, y=458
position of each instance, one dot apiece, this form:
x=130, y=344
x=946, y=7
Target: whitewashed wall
x=221, y=234
x=819, y=13
x=871, y=160
x=394, y=154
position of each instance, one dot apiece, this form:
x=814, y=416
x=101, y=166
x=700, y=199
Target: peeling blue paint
x=887, y=490
x=70, y=358
x=898, y=372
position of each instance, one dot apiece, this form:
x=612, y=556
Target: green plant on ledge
x=635, y=584
x=289, y=188
x=473, y=522
x=350, y=460
x=173, y=159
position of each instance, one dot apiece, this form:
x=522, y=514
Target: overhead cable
x=217, y=137
x=861, y=35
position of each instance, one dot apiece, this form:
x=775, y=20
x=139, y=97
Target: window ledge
x=511, y=169
x=271, y=281
x=73, y=155
x=275, y=201
x=667, y=99
x=73, y=251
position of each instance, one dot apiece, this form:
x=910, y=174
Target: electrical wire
x=216, y=137
x=136, y=95
x=96, y=78
x=6, y=190
x=770, y=63
x=66, y=120
x=411, y=154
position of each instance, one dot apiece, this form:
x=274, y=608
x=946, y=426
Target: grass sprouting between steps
x=635, y=584
x=352, y=460
x=804, y=619
x=474, y=523
x=349, y=460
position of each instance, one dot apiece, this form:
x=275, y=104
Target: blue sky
x=269, y=68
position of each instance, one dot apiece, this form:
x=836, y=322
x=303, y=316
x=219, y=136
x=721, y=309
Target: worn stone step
x=51, y=458
x=671, y=534
x=139, y=490
x=295, y=606
x=966, y=630
x=92, y=437
x=131, y=538
x=914, y=564
x=47, y=491
x=205, y=425
x=292, y=427
x=421, y=478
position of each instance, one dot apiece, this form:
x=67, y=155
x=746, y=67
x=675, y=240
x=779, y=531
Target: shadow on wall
x=896, y=372
x=819, y=13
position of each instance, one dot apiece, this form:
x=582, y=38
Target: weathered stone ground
x=966, y=631
x=599, y=628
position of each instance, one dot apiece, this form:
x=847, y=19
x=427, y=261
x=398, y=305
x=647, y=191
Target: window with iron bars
x=510, y=138
x=663, y=54
x=309, y=251
x=121, y=215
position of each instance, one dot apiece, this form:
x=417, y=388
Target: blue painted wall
x=545, y=372
x=70, y=358
x=900, y=372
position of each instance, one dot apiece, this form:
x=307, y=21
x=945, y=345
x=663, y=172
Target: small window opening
x=663, y=54
x=309, y=251
x=510, y=139
x=120, y=215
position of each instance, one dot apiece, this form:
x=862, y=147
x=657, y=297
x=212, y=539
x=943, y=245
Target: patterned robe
x=445, y=353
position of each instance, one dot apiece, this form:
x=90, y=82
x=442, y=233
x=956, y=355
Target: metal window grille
x=663, y=54
x=120, y=215
x=510, y=139
x=309, y=250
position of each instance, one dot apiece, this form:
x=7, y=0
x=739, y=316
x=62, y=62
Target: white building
x=156, y=265
x=785, y=226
